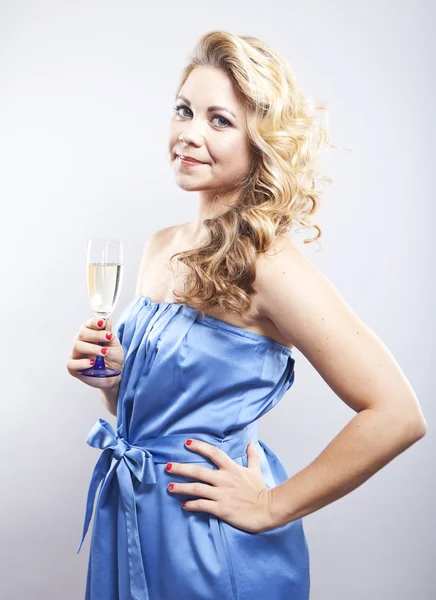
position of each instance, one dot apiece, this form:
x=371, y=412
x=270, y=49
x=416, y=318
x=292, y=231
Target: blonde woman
x=192, y=504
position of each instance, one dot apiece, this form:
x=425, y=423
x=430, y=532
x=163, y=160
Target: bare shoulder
x=309, y=311
x=165, y=235
x=153, y=246
x=283, y=261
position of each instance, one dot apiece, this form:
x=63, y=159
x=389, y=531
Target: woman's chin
x=188, y=186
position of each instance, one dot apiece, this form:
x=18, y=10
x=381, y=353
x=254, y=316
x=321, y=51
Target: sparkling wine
x=104, y=284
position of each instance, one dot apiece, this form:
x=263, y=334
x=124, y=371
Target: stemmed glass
x=104, y=274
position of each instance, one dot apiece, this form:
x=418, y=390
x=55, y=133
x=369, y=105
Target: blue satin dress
x=187, y=376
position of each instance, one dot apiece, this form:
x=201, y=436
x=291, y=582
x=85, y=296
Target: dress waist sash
x=126, y=459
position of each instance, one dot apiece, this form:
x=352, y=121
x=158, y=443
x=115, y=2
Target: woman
x=192, y=504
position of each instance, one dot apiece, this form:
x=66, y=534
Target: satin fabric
x=187, y=376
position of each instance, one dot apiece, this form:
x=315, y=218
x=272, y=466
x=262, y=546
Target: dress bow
x=120, y=457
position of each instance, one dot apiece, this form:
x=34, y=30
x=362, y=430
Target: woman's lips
x=189, y=161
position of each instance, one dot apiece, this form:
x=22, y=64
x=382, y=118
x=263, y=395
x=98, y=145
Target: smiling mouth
x=187, y=159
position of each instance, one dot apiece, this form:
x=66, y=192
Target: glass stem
x=99, y=360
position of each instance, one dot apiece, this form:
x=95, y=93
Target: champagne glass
x=104, y=274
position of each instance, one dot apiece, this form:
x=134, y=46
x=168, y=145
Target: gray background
x=85, y=102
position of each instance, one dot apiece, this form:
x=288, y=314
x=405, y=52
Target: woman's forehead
x=206, y=87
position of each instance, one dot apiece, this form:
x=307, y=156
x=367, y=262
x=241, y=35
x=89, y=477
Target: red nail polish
x=100, y=323
x=170, y=487
x=169, y=466
x=108, y=336
x=104, y=350
x=188, y=442
x=184, y=505
x=92, y=361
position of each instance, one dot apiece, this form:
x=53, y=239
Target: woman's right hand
x=85, y=347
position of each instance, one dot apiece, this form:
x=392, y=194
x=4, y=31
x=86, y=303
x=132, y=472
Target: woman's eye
x=218, y=117
x=183, y=107
x=177, y=108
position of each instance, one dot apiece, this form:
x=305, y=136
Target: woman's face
x=214, y=136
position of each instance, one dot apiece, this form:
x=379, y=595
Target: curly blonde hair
x=282, y=186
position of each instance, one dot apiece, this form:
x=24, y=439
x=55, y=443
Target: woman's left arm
x=309, y=312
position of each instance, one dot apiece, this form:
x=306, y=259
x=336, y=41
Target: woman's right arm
x=109, y=395
x=110, y=391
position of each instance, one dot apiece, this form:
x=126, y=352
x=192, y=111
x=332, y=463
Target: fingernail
x=104, y=350
x=92, y=361
x=100, y=323
x=169, y=466
x=108, y=336
x=188, y=442
x=170, y=487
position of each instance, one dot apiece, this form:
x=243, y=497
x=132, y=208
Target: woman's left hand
x=233, y=493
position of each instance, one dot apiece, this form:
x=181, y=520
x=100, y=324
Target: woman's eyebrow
x=211, y=108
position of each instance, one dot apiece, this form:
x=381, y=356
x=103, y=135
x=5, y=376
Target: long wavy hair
x=282, y=188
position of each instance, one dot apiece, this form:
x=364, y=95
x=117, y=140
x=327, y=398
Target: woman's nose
x=193, y=135
x=192, y=139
